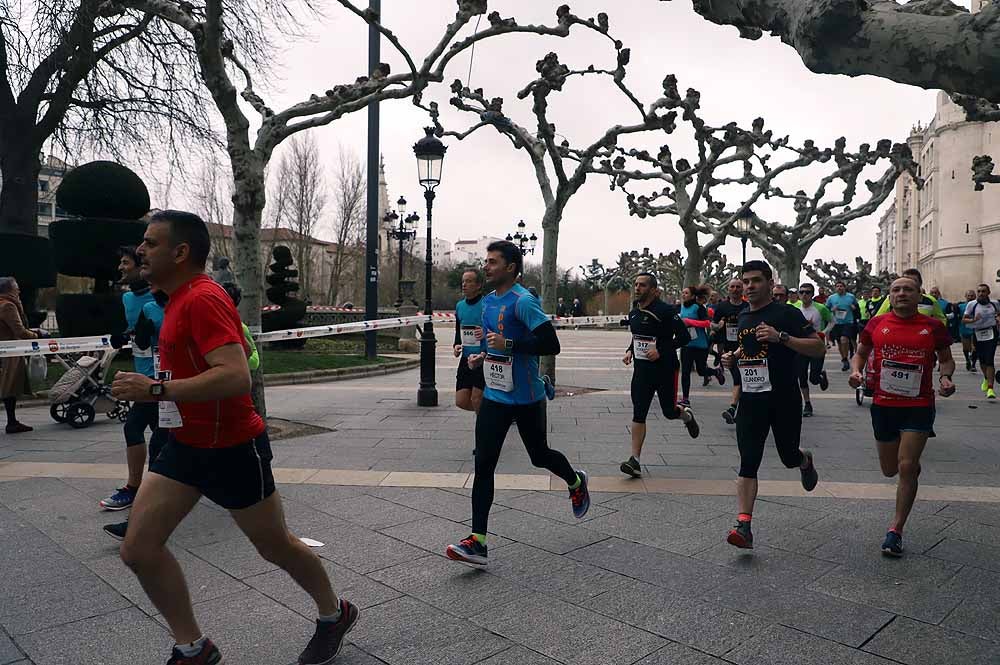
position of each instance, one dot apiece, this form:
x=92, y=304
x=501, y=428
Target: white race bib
x=472, y=336
x=901, y=379
x=499, y=371
x=984, y=334
x=641, y=346
x=142, y=353
x=169, y=416
x=693, y=332
x=732, y=332
x=754, y=376
x=840, y=315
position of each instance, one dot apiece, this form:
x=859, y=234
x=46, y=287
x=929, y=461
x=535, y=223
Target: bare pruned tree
x=859, y=279
x=301, y=179
x=348, y=216
x=212, y=195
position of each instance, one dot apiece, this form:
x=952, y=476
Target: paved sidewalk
x=645, y=578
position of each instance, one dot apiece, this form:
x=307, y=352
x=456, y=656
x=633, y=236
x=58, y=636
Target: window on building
x=44, y=209
x=43, y=185
x=61, y=213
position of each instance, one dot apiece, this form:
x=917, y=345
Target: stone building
x=49, y=177
x=947, y=230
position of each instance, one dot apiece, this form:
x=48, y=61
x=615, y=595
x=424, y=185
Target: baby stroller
x=83, y=391
x=867, y=388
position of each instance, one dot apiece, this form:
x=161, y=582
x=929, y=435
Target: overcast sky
x=487, y=186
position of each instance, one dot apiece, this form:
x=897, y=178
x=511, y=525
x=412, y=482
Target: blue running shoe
x=580, y=497
x=120, y=500
x=469, y=550
x=893, y=545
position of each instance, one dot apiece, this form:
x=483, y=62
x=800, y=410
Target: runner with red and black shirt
x=904, y=345
x=217, y=446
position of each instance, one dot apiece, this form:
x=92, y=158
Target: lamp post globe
x=743, y=223
x=429, y=152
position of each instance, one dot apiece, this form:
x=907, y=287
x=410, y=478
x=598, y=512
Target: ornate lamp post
x=523, y=240
x=430, y=159
x=743, y=225
x=403, y=229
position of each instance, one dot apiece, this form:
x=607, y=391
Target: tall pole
x=743, y=241
x=399, y=281
x=372, y=228
x=427, y=392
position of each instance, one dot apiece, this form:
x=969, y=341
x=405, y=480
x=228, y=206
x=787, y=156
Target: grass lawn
x=317, y=354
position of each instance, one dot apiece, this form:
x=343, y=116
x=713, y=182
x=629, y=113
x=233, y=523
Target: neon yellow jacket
x=254, y=358
x=928, y=306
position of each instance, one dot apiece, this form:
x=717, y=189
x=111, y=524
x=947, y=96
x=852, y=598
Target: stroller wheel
x=121, y=411
x=59, y=412
x=80, y=415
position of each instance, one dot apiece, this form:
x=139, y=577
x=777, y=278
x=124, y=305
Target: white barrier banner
x=34, y=347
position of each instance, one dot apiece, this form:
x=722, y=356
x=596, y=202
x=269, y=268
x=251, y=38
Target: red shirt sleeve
x=214, y=321
x=942, y=337
x=866, y=333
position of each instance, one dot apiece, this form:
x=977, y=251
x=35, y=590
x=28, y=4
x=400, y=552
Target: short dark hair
x=188, y=228
x=511, y=253
x=985, y=286
x=840, y=283
x=757, y=264
x=129, y=251
x=781, y=286
x=474, y=271
x=807, y=285
x=913, y=272
x=651, y=276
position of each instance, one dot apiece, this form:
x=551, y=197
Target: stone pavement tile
x=720, y=472
x=205, y=581
x=567, y=632
x=449, y=586
x=903, y=594
x=979, y=613
x=986, y=534
x=651, y=531
x=779, y=645
x=541, y=532
x=63, y=602
x=9, y=652
x=371, y=512
x=916, y=643
x=249, y=627
x=430, y=500
x=351, y=655
x=408, y=632
x=204, y=525
x=970, y=554
x=236, y=557
x=560, y=576
x=679, y=574
x=981, y=513
x=435, y=533
x=360, y=549
x=121, y=638
x=861, y=551
x=809, y=611
x=518, y=655
x=316, y=496
x=358, y=589
x=412, y=464
x=661, y=508
x=678, y=654
x=554, y=506
x=764, y=563
x=705, y=626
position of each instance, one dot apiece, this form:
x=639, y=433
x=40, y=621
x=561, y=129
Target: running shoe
x=844, y=365
x=329, y=636
x=18, y=428
x=809, y=475
x=968, y=366
x=729, y=415
x=120, y=500
x=807, y=410
x=550, y=387
x=893, y=545
x=705, y=380
x=990, y=394
x=692, y=425
x=741, y=536
x=684, y=402
x=824, y=381
x=984, y=386
x=469, y=550
x=209, y=655
x=630, y=467
x=580, y=497
x=116, y=531
x=720, y=374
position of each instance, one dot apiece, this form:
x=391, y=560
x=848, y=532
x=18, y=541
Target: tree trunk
x=790, y=267
x=550, y=276
x=19, y=167
x=694, y=262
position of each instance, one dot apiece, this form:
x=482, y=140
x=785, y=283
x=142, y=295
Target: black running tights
x=492, y=424
x=9, y=403
x=697, y=358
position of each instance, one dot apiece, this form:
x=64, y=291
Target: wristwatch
x=783, y=337
x=157, y=389
x=508, y=345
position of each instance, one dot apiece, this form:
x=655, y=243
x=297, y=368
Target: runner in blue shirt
x=469, y=339
x=517, y=333
x=968, y=347
x=841, y=304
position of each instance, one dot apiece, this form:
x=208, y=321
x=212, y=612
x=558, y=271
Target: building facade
x=49, y=177
x=947, y=230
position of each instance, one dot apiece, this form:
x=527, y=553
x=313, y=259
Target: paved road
x=645, y=578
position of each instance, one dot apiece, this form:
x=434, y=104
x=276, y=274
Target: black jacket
x=663, y=322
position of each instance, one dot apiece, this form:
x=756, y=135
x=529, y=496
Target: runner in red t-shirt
x=905, y=345
x=217, y=447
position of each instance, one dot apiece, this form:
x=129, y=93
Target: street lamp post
x=429, y=152
x=521, y=238
x=743, y=225
x=405, y=230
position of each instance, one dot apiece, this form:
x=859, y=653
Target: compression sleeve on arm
x=458, y=332
x=541, y=342
x=697, y=323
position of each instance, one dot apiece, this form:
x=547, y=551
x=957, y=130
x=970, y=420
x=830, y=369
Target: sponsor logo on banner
x=104, y=341
x=53, y=346
x=34, y=346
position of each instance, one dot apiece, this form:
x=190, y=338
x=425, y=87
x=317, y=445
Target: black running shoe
x=968, y=366
x=720, y=374
x=824, y=381
x=844, y=365
x=116, y=531
x=893, y=545
x=729, y=415
x=741, y=536
x=329, y=636
x=807, y=410
x=692, y=425
x=209, y=655
x=580, y=497
x=809, y=475
x=630, y=467
x=705, y=380
x=468, y=550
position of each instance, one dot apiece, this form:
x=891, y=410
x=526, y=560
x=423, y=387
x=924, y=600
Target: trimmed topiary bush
x=103, y=189
x=89, y=247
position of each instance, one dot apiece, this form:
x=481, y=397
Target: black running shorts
x=889, y=421
x=235, y=478
x=467, y=377
x=648, y=379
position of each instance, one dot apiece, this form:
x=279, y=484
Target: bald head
x=904, y=296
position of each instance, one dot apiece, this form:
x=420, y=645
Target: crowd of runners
x=191, y=388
